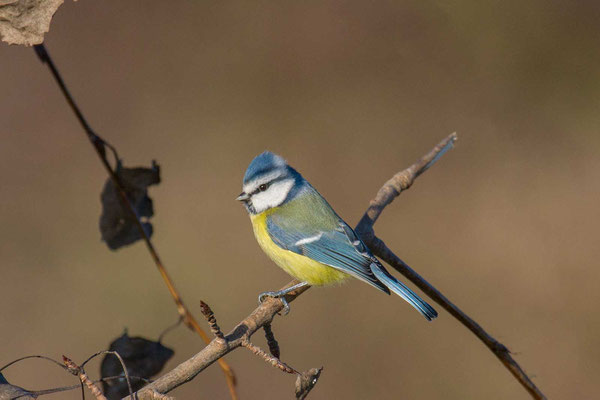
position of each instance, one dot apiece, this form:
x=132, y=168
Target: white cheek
x=273, y=196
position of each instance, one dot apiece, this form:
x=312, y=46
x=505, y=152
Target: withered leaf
x=25, y=22
x=306, y=382
x=118, y=229
x=10, y=392
x=144, y=358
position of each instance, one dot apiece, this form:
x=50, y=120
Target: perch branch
x=392, y=189
x=100, y=145
x=217, y=348
x=273, y=360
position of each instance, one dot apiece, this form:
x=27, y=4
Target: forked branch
x=218, y=347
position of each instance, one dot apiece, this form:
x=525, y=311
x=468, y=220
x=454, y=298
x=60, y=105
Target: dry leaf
x=25, y=22
x=143, y=358
x=116, y=225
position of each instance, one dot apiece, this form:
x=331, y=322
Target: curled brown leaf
x=25, y=22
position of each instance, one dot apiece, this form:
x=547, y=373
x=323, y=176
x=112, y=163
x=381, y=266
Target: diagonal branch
x=100, y=146
x=392, y=189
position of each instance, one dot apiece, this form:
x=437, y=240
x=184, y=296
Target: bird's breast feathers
x=299, y=266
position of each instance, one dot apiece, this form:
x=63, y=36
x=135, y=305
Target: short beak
x=242, y=197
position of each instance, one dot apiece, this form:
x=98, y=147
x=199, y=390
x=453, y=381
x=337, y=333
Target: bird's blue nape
x=262, y=164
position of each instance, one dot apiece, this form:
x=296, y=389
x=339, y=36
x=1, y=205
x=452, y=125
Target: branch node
x=306, y=381
x=79, y=372
x=212, y=320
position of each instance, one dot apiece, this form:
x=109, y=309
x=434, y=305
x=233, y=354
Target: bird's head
x=268, y=182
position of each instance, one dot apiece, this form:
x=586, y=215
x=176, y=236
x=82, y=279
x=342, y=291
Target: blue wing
x=311, y=228
x=332, y=247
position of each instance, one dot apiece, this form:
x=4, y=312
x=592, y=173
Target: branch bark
x=264, y=314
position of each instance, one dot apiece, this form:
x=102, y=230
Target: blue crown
x=262, y=164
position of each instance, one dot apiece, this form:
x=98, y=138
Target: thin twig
x=123, y=366
x=99, y=145
x=63, y=366
x=392, y=189
x=67, y=388
x=169, y=329
x=273, y=361
x=79, y=371
x=34, y=356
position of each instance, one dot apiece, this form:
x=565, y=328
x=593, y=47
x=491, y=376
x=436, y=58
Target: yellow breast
x=300, y=267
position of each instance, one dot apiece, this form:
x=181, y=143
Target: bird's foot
x=280, y=294
x=276, y=295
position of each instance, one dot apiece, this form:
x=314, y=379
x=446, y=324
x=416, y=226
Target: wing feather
x=333, y=248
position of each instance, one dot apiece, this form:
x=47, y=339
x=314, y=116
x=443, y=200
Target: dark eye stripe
x=267, y=184
x=261, y=188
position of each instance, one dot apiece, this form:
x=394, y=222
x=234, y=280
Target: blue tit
x=302, y=234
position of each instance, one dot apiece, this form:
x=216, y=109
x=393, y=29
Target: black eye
x=262, y=187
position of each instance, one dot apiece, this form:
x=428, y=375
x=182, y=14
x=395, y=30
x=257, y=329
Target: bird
x=298, y=229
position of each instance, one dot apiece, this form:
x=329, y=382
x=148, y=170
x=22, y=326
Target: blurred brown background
x=349, y=92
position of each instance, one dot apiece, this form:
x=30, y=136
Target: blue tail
x=403, y=291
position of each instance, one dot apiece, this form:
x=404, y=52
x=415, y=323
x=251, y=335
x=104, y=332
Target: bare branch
x=273, y=361
x=399, y=182
x=125, y=371
x=392, y=189
x=100, y=146
x=37, y=393
x=78, y=371
x=28, y=357
x=217, y=348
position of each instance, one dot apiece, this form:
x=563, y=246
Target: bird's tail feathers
x=404, y=291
